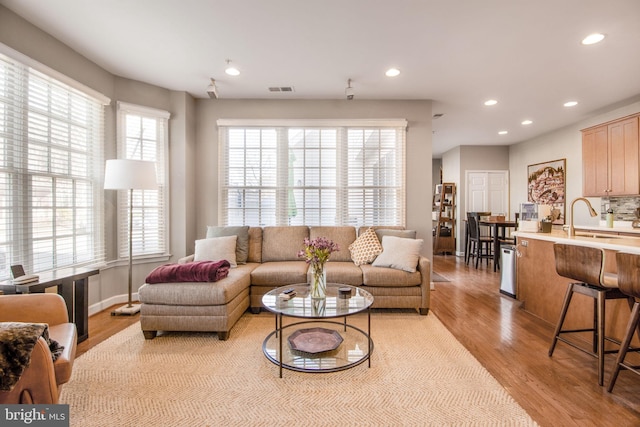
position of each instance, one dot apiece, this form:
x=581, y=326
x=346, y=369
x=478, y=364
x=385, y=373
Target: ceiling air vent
x=437, y=115
x=281, y=89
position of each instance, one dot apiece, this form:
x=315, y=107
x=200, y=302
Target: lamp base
x=125, y=310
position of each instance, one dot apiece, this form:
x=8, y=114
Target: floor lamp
x=125, y=174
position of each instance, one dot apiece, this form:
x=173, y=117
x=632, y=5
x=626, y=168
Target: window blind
x=143, y=135
x=51, y=165
x=312, y=173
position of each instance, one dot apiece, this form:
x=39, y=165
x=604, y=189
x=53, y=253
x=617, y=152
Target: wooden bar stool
x=629, y=283
x=585, y=265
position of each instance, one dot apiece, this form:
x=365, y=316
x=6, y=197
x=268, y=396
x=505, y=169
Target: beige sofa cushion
x=389, y=277
x=343, y=236
x=279, y=273
x=255, y=244
x=198, y=293
x=283, y=243
x=342, y=272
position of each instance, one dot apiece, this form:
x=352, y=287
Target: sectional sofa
x=267, y=257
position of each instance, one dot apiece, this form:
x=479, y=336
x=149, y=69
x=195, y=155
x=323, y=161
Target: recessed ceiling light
x=526, y=122
x=571, y=103
x=491, y=102
x=503, y=132
x=392, y=72
x=232, y=71
x=593, y=39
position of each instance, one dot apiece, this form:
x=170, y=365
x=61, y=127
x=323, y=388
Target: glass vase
x=318, y=282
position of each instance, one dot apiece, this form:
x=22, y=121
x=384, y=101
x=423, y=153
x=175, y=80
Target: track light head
x=349, y=90
x=212, y=90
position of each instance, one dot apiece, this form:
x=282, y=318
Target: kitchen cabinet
x=611, y=159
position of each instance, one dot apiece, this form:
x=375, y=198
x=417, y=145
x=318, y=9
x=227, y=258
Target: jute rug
x=420, y=375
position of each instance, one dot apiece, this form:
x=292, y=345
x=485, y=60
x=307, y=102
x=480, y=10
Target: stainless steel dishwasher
x=508, y=270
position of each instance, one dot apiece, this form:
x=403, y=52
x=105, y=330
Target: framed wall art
x=547, y=186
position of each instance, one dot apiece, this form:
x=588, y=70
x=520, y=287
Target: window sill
x=149, y=259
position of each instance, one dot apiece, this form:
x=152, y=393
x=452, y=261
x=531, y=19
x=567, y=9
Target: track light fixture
x=349, y=90
x=212, y=90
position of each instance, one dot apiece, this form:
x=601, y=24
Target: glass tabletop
x=301, y=305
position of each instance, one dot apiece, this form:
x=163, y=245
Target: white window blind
x=51, y=165
x=312, y=173
x=143, y=135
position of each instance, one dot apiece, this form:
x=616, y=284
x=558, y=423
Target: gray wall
x=193, y=147
x=418, y=166
x=465, y=158
x=110, y=287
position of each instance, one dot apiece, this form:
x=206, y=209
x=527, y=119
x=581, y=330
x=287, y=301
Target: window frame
x=280, y=185
x=65, y=120
x=141, y=196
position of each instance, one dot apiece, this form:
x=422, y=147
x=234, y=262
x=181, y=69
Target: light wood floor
x=512, y=344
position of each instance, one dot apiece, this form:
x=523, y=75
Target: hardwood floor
x=512, y=344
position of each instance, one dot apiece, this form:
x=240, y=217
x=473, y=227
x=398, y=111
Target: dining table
x=498, y=233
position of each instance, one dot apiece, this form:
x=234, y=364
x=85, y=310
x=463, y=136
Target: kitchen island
x=542, y=290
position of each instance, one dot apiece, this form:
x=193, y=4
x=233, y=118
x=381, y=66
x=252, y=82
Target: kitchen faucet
x=592, y=212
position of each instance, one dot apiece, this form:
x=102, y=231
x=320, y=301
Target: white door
x=487, y=191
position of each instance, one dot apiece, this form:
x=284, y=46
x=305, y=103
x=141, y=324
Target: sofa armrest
x=47, y=308
x=186, y=259
x=424, y=267
x=37, y=385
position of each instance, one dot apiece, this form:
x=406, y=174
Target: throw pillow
x=407, y=234
x=399, y=253
x=217, y=248
x=242, y=243
x=365, y=248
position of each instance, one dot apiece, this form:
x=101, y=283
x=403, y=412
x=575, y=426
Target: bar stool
x=586, y=265
x=629, y=283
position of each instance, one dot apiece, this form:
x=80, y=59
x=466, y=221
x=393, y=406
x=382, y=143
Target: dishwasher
x=508, y=270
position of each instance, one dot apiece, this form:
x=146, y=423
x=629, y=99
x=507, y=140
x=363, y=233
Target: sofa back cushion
x=255, y=244
x=378, y=227
x=283, y=243
x=342, y=235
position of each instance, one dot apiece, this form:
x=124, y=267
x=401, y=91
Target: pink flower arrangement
x=317, y=251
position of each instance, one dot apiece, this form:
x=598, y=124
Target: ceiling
x=525, y=54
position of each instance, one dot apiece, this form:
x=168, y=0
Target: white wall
x=565, y=143
x=418, y=166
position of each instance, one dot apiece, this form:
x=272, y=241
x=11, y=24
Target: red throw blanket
x=199, y=271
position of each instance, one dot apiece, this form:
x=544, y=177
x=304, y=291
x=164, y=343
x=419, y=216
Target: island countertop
x=593, y=238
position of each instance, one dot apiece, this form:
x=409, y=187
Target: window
x=51, y=165
x=312, y=173
x=142, y=135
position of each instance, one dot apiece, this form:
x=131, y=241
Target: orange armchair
x=42, y=379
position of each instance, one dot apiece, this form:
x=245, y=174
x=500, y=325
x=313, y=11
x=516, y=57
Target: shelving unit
x=444, y=205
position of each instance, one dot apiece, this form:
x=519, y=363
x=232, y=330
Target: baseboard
x=104, y=304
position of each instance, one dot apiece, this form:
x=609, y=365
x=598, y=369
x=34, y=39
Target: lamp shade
x=125, y=174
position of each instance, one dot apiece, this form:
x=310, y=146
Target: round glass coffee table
x=318, y=343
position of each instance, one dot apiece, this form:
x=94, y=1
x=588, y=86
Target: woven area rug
x=420, y=375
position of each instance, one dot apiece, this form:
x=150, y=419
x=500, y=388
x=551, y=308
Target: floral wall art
x=546, y=186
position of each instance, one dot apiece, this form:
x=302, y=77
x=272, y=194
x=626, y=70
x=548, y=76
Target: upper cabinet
x=611, y=159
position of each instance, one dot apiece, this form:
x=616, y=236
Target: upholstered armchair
x=42, y=379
